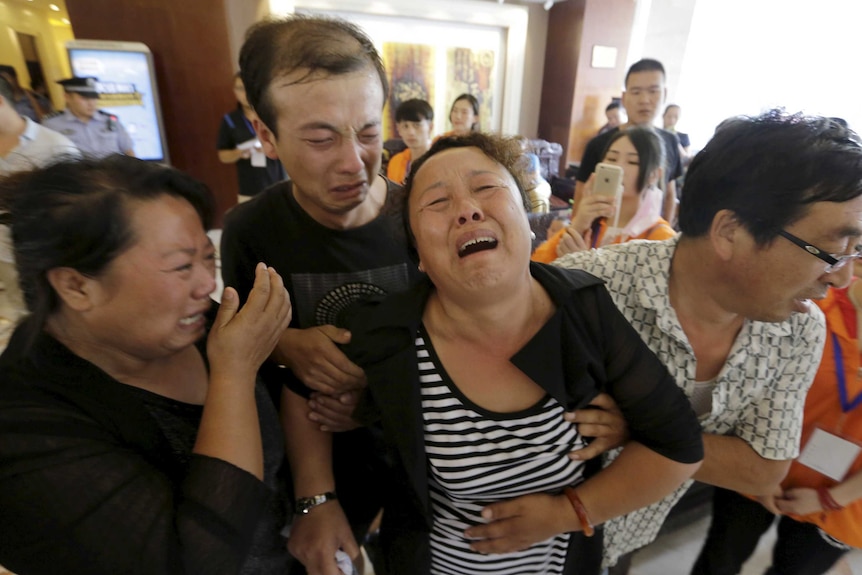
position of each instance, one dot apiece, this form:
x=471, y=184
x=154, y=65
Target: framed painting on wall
x=410, y=68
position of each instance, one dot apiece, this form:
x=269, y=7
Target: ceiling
x=547, y=3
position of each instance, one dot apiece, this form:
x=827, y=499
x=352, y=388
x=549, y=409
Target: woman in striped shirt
x=469, y=374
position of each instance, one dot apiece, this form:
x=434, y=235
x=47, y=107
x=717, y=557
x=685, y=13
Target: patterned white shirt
x=759, y=393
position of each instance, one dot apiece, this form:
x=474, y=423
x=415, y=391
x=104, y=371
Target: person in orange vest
x=639, y=151
x=414, y=120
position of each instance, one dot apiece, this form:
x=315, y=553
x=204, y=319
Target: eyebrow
x=441, y=183
x=189, y=251
x=327, y=126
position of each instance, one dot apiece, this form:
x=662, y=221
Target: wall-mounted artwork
x=411, y=75
x=442, y=49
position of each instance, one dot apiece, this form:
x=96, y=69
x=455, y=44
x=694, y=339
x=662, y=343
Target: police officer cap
x=86, y=87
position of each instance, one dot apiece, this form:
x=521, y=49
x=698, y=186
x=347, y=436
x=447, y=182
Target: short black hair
x=75, y=214
x=768, y=170
x=613, y=106
x=279, y=46
x=6, y=91
x=414, y=110
x=645, y=65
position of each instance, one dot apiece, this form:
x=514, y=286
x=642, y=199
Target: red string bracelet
x=827, y=502
x=580, y=511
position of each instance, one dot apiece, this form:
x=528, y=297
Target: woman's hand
x=241, y=339
x=799, y=501
x=518, y=523
x=591, y=207
x=769, y=501
x=573, y=241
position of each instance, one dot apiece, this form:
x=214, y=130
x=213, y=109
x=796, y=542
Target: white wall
x=745, y=56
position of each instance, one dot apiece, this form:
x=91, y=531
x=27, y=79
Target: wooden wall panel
x=562, y=53
x=574, y=94
x=189, y=41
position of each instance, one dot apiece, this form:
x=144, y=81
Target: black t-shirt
x=121, y=491
x=234, y=130
x=324, y=270
x=595, y=150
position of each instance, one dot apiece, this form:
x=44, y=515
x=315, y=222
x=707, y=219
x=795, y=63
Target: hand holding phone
x=609, y=182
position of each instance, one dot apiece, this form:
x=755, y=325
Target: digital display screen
x=127, y=90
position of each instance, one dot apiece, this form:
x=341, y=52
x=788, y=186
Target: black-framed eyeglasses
x=833, y=262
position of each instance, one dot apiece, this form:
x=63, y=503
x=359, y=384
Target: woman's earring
x=532, y=235
x=421, y=269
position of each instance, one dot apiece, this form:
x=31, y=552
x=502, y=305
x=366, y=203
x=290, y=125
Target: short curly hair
x=506, y=151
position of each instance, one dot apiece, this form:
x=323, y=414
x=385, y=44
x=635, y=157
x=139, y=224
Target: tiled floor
x=675, y=553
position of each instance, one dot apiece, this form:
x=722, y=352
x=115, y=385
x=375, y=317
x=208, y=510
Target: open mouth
x=349, y=188
x=191, y=320
x=475, y=245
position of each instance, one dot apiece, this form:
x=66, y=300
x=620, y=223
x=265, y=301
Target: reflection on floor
x=675, y=553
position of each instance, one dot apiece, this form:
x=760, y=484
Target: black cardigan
x=587, y=347
x=90, y=484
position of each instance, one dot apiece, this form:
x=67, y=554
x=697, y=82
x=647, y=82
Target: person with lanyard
x=238, y=144
x=820, y=500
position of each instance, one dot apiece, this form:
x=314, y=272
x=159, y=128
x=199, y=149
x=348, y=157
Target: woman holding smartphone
x=602, y=219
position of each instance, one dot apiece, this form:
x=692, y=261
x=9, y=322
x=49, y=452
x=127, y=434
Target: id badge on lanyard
x=826, y=452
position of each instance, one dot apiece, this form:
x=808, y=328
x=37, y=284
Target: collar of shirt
x=30, y=131
x=653, y=293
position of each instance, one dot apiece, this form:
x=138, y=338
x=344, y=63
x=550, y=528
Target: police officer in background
x=96, y=133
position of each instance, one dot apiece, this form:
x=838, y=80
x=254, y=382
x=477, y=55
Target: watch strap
x=306, y=504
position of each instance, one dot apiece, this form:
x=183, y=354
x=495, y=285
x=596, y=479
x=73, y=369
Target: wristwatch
x=306, y=504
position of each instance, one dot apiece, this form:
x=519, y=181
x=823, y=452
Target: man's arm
x=317, y=535
x=728, y=461
x=127, y=146
x=731, y=463
x=668, y=210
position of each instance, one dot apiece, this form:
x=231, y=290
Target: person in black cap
x=96, y=133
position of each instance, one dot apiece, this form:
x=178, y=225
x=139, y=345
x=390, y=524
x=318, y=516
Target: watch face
x=304, y=506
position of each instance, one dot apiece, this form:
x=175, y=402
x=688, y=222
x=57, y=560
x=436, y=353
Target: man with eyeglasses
x=771, y=217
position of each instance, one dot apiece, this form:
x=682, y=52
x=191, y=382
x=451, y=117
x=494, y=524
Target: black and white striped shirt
x=477, y=457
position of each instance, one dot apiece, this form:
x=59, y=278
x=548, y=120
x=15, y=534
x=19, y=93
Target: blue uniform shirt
x=101, y=136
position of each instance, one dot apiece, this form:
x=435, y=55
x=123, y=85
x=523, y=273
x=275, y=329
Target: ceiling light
x=549, y=4
x=54, y=7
